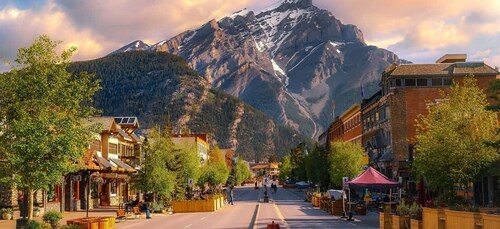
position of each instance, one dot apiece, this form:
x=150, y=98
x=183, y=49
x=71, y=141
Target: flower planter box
x=385, y=220
x=400, y=222
x=195, y=206
x=490, y=221
x=416, y=224
x=461, y=219
x=433, y=218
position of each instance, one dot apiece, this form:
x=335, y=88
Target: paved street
x=286, y=208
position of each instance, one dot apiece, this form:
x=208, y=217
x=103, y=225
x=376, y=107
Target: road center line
x=188, y=225
x=203, y=218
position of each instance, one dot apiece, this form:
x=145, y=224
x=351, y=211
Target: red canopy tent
x=372, y=179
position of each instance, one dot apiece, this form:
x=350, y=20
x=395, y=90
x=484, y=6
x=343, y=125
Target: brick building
x=346, y=127
x=407, y=91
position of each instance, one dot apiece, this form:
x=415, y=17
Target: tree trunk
x=30, y=204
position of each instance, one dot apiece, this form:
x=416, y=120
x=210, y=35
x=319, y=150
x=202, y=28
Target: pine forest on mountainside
x=156, y=86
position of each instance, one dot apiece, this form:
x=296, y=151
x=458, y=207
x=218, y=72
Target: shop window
x=94, y=190
x=421, y=82
x=410, y=83
x=113, y=188
x=437, y=82
x=398, y=83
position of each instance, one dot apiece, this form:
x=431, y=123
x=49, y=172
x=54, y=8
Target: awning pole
x=390, y=199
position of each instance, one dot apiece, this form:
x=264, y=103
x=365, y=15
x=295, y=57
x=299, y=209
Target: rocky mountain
x=293, y=61
x=137, y=45
x=158, y=85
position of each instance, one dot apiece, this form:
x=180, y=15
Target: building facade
x=198, y=141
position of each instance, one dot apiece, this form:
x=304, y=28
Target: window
x=410, y=83
x=421, y=82
x=437, y=82
x=387, y=112
x=447, y=81
x=94, y=190
x=112, y=189
x=96, y=145
x=398, y=82
x=113, y=148
x=54, y=194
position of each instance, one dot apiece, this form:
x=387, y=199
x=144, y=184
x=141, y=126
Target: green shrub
x=403, y=209
x=6, y=210
x=52, y=217
x=157, y=207
x=32, y=224
x=415, y=211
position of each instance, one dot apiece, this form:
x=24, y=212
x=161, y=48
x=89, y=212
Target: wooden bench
x=120, y=215
x=136, y=211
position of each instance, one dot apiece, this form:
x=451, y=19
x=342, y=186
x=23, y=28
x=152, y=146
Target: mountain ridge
x=156, y=86
x=293, y=61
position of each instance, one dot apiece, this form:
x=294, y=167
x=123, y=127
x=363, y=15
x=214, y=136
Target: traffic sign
x=344, y=182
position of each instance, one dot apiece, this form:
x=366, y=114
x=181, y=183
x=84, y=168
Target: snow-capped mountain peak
x=291, y=60
x=137, y=45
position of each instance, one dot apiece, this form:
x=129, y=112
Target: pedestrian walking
x=231, y=196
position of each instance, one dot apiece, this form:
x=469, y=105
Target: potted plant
x=415, y=216
x=402, y=219
x=52, y=217
x=6, y=213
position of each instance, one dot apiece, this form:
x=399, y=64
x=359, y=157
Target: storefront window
x=94, y=190
x=113, y=188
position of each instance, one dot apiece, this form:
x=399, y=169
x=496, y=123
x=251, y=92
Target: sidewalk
x=11, y=224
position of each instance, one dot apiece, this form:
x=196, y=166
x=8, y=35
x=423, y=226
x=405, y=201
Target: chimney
x=452, y=58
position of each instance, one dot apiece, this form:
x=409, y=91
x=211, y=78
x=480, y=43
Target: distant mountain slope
x=293, y=61
x=152, y=85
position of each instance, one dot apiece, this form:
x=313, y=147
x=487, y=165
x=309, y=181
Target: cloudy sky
x=417, y=30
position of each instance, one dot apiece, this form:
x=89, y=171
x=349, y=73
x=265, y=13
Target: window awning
x=122, y=165
x=103, y=163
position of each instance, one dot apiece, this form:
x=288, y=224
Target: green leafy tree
x=186, y=164
x=345, y=160
x=494, y=94
x=285, y=168
x=452, y=139
x=317, y=167
x=215, y=172
x=154, y=176
x=242, y=171
x=42, y=106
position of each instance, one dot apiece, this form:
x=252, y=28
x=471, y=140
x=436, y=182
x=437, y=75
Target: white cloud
x=417, y=30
